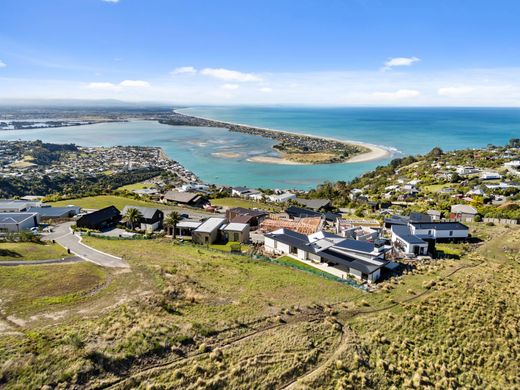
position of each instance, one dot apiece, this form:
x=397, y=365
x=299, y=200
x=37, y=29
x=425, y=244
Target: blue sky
x=335, y=52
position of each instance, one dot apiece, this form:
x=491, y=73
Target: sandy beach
x=375, y=152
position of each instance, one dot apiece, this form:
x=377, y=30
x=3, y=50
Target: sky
x=266, y=52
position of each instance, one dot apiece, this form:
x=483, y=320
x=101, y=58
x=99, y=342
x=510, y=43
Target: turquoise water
x=219, y=156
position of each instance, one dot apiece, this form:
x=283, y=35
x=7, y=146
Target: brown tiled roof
x=303, y=225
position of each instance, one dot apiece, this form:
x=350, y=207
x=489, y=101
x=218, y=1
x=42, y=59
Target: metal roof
x=146, y=212
x=236, y=227
x=210, y=225
x=439, y=225
x=403, y=232
x=54, y=211
x=15, y=218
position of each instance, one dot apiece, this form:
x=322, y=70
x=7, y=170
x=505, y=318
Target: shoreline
x=375, y=152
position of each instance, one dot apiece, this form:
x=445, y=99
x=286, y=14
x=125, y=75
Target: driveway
x=64, y=236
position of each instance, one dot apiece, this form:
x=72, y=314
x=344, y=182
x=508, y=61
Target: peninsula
x=294, y=148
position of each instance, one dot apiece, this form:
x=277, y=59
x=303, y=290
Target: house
x=440, y=231
x=100, y=219
x=185, y=228
x=236, y=232
x=194, y=187
x=185, y=198
x=242, y=215
x=16, y=206
x=435, y=215
x=146, y=192
x=490, y=175
x=49, y=212
x=467, y=170
x=403, y=241
x=18, y=222
x=330, y=253
x=463, y=212
x=151, y=220
x=208, y=232
x=314, y=204
x=302, y=225
x=281, y=198
x=245, y=192
x=299, y=212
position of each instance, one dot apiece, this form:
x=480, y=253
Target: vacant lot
x=31, y=251
x=237, y=202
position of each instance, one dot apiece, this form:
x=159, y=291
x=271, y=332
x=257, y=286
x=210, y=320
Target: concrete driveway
x=64, y=236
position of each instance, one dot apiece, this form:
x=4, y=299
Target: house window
x=451, y=233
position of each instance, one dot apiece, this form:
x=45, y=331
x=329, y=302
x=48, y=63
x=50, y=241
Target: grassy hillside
x=31, y=251
x=187, y=317
x=98, y=202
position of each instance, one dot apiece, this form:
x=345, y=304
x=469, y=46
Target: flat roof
x=439, y=225
x=15, y=218
x=235, y=226
x=189, y=224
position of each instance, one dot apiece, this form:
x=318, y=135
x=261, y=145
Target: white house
x=405, y=242
x=330, y=253
x=194, y=187
x=18, y=222
x=467, y=170
x=281, y=198
x=440, y=231
x=490, y=175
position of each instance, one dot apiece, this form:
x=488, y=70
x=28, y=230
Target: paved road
x=73, y=259
x=63, y=236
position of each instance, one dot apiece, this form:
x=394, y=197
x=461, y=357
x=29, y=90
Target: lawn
x=228, y=246
x=30, y=288
x=136, y=186
x=295, y=263
x=101, y=201
x=437, y=187
x=31, y=251
x=238, y=202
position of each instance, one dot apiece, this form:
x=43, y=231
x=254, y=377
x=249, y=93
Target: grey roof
x=403, y=232
x=236, y=227
x=440, y=225
x=420, y=217
x=181, y=197
x=434, y=212
x=314, y=204
x=146, y=212
x=185, y=224
x=19, y=205
x=210, y=225
x=348, y=261
x=248, y=212
x=54, y=211
x=15, y=218
x=464, y=209
x=300, y=212
x=355, y=245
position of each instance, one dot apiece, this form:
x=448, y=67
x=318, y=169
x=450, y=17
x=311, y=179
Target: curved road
x=67, y=239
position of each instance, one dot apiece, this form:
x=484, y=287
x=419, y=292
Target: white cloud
x=110, y=1
x=229, y=75
x=117, y=87
x=134, y=83
x=2, y=64
x=397, y=95
x=266, y=89
x=455, y=91
x=230, y=87
x=400, y=61
x=184, y=70
x=101, y=85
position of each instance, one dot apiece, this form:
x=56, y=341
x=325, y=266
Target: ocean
x=218, y=156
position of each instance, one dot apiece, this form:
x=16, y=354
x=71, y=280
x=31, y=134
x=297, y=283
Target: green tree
x=133, y=216
x=171, y=221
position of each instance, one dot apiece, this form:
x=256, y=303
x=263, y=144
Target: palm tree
x=171, y=221
x=133, y=216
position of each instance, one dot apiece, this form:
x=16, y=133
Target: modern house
x=18, y=222
x=16, y=206
x=314, y=204
x=299, y=212
x=463, y=212
x=330, y=253
x=435, y=215
x=281, y=198
x=49, y=212
x=151, y=220
x=208, y=231
x=403, y=241
x=242, y=215
x=245, y=192
x=440, y=231
x=185, y=198
x=100, y=219
x=185, y=227
x=236, y=232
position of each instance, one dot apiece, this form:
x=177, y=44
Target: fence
x=501, y=221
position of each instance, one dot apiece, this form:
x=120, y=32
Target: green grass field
x=437, y=187
x=237, y=202
x=31, y=288
x=30, y=251
x=227, y=246
x=135, y=186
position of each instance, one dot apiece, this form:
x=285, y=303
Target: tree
x=171, y=221
x=514, y=142
x=133, y=216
